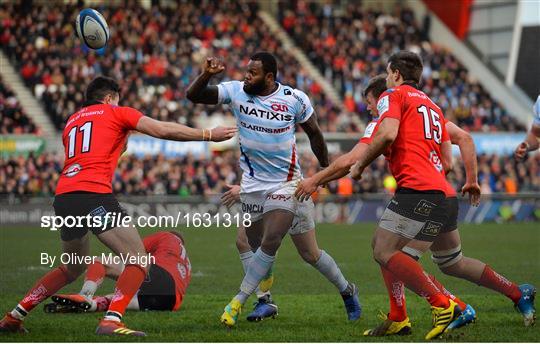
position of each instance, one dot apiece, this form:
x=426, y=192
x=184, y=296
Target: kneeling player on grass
x=94, y=137
x=162, y=290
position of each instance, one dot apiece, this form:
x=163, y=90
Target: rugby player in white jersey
x=266, y=114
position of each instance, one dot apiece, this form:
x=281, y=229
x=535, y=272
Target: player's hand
x=304, y=189
x=232, y=196
x=356, y=171
x=474, y=191
x=219, y=134
x=521, y=150
x=213, y=66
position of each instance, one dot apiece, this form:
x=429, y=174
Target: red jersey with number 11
x=94, y=138
x=415, y=155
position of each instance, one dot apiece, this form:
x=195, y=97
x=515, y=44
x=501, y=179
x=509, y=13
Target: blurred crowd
x=155, y=63
x=13, y=120
x=192, y=175
x=155, y=53
x=350, y=44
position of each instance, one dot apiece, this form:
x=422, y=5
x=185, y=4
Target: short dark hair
x=376, y=85
x=100, y=87
x=268, y=61
x=409, y=65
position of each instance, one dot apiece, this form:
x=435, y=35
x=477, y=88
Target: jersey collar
x=273, y=93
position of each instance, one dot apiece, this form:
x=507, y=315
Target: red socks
x=492, y=280
x=413, y=276
x=396, y=294
x=49, y=284
x=95, y=273
x=462, y=305
x=127, y=285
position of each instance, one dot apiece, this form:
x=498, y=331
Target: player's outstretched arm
x=199, y=91
x=338, y=168
x=384, y=137
x=316, y=139
x=179, y=132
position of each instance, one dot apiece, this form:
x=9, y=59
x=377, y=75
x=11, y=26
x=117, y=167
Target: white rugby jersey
x=266, y=128
x=537, y=111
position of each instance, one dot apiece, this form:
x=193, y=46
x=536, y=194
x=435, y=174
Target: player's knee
x=381, y=255
x=449, y=261
x=310, y=256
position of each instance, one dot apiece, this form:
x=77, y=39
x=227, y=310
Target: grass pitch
x=310, y=308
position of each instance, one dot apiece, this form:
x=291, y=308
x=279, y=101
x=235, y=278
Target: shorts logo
x=424, y=208
x=73, y=170
x=252, y=208
x=278, y=197
x=101, y=212
x=98, y=212
x=431, y=228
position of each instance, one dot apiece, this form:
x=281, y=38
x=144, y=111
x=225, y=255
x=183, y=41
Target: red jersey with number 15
x=415, y=155
x=94, y=138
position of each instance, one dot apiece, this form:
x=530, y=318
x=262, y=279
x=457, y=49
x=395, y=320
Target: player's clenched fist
x=213, y=66
x=219, y=134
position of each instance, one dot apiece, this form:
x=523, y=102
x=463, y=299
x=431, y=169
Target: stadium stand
x=350, y=46
x=190, y=175
x=14, y=119
x=155, y=65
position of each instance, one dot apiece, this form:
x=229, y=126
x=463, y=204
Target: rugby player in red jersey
x=162, y=290
x=446, y=248
x=410, y=128
x=94, y=137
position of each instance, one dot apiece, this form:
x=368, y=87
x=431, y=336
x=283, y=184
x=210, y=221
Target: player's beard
x=255, y=89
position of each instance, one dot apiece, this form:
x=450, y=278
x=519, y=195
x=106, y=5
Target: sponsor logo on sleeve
x=383, y=105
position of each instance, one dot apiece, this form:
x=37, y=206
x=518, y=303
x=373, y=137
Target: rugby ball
x=92, y=28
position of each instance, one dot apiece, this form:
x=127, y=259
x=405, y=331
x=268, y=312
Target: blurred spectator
x=13, y=120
